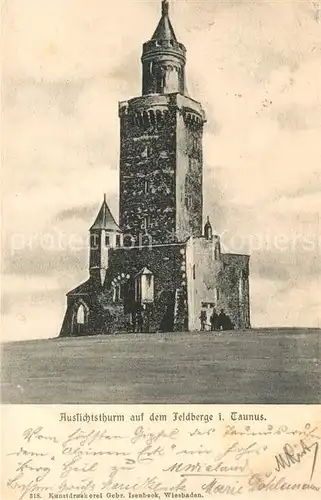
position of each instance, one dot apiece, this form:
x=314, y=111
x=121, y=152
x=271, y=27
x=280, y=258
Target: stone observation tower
x=159, y=267
x=161, y=146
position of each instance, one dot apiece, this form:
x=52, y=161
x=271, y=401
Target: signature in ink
x=291, y=455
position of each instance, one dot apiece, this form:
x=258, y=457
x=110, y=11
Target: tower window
x=194, y=274
x=117, y=240
x=217, y=251
x=94, y=241
x=118, y=293
x=107, y=240
x=146, y=186
x=188, y=202
x=146, y=223
x=147, y=152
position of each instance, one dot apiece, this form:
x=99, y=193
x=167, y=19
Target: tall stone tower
x=180, y=275
x=161, y=159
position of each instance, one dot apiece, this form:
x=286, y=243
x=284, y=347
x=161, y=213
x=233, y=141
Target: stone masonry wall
x=222, y=280
x=189, y=182
x=148, y=168
x=235, y=288
x=161, y=167
x=167, y=263
x=203, y=274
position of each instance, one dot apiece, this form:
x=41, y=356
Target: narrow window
x=241, y=286
x=147, y=152
x=81, y=315
x=117, y=240
x=217, y=251
x=146, y=223
x=137, y=290
x=94, y=241
x=107, y=240
x=194, y=272
x=118, y=293
x=146, y=186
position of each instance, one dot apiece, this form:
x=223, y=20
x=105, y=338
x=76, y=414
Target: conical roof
x=104, y=219
x=164, y=30
x=208, y=224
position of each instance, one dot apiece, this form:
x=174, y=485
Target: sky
x=256, y=68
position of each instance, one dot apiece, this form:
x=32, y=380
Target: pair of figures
x=218, y=321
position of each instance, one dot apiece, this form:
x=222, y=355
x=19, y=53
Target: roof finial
x=105, y=197
x=165, y=7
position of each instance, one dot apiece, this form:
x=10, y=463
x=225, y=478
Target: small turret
x=104, y=235
x=209, y=234
x=208, y=231
x=163, y=59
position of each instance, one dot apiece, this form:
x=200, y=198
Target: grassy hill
x=257, y=366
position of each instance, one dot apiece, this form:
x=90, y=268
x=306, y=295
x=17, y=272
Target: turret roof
x=164, y=30
x=208, y=224
x=104, y=219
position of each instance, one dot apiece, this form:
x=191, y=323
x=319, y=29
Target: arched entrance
x=80, y=318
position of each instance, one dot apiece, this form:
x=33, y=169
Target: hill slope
x=258, y=366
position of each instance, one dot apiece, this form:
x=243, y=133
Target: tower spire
x=165, y=8
x=164, y=59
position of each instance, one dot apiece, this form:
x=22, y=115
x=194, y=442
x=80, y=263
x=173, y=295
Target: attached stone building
x=159, y=267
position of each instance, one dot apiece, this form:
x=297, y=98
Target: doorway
x=80, y=319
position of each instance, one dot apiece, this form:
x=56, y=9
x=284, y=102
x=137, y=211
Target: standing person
x=221, y=320
x=214, y=320
x=134, y=321
x=229, y=323
x=139, y=319
x=203, y=318
x=225, y=321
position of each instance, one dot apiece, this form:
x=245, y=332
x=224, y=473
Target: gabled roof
x=83, y=289
x=105, y=220
x=164, y=30
x=145, y=271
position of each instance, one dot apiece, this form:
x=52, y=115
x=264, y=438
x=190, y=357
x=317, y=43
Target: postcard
x=161, y=306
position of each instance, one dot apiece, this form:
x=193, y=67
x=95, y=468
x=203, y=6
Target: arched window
x=217, y=251
x=241, y=285
x=94, y=241
x=147, y=152
x=80, y=316
x=118, y=293
x=146, y=223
